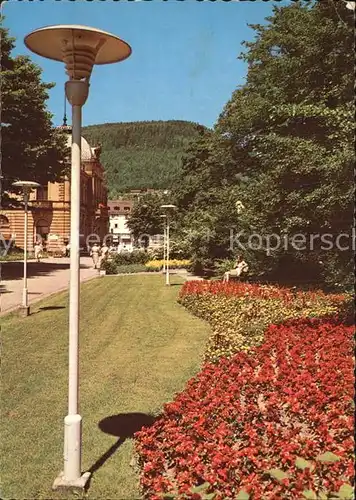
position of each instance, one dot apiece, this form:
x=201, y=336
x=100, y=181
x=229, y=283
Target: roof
x=117, y=207
x=87, y=151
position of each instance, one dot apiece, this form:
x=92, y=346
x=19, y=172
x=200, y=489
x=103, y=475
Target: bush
x=131, y=268
x=109, y=266
x=239, y=312
x=135, y=257
x=275, y=423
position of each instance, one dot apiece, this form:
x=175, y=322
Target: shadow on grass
x=123, y=426
x=51, y=308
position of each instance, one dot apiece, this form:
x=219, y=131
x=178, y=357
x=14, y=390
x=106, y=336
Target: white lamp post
x=168, y=209
x=79, y=47
x=164, y=244
x=26, y=187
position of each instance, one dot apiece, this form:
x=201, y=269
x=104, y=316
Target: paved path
x=44, y=278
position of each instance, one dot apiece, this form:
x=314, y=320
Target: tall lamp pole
x=164, y=243
x=26, y=187
x=79, y=47
x=168, y=209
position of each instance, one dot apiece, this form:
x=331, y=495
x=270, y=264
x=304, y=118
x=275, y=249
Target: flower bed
x=239, y=313
x=270, y=424
x=157, y=265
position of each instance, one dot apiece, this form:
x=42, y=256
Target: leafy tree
x=145, y=218
x=288, y=133
x=31, y=148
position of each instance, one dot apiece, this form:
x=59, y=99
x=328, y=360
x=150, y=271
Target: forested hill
x=141, y=154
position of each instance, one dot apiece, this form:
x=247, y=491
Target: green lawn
x=138, y=347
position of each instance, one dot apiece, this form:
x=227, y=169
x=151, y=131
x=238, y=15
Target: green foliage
x=142, y=155
x=31, y=148
x=135, y=257
x=283, y=147
x=131, y=268
x=145, y=217
x=127, y=262
x=109, y=266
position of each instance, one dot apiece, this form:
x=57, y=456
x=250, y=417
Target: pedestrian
x=68, y=249
x=38, y=248
x=95, y=255
x=240, y=267
x=104, y=253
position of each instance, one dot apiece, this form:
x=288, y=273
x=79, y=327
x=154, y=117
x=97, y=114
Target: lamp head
x=168, y=207
x=79, y=47
x=26, y=185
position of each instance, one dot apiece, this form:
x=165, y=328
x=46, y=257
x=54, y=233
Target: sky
x=183, y=65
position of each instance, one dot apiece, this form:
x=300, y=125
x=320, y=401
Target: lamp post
x=164, y=244
x=26, y=187
x=79, y=47
x=168, y=209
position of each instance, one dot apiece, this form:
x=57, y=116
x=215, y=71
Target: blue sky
x=184, y=62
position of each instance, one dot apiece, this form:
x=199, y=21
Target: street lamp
x=26, y=187
x=79, y=47
x=168, y=209
x=164, y=244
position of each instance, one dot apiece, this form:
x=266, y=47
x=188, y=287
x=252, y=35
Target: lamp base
x=60, y=483
x=24, y=311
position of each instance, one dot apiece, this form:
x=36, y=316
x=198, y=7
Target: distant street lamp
x=79, y=47
x=164, y=244
x=168, y=209
x=26, y=187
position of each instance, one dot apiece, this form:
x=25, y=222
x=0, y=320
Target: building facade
x=119, y=211
x=49, y=207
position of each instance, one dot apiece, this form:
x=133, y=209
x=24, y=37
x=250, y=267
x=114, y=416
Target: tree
x=31, y=148
x=145, y=219
x=288, y=132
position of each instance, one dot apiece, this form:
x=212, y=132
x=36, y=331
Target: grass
x=137, y=348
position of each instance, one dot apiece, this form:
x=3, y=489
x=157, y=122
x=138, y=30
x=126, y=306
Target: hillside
x=140, y=155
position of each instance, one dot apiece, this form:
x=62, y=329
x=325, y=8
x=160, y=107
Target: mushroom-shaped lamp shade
x=79, y=47
x=168, y=207
x=26, y=185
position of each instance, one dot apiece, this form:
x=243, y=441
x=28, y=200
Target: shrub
x=109, y=266
x=274, y=423
x=131, y=268
x=135, y=257
x=239, y=312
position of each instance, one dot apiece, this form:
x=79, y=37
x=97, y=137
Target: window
x=116, y=208
x=42, y=193
x=4, y=221
x=127, y=209
x=116, y=226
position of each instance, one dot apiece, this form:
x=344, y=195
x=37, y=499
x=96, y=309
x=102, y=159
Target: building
x=119, y=210
x=49, y=207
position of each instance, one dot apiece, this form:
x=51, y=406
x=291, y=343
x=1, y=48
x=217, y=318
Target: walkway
x=44, y=278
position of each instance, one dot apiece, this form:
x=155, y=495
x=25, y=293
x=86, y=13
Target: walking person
x=95, y=255
x=68, y=249
x=241, y=266
x=104, y=253
x=38, y=248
